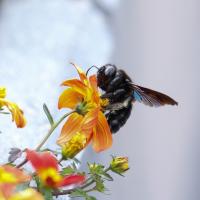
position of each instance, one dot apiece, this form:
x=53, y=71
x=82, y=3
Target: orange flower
x=17, y=113
x=46, y=167
x=9, y=178
x=89, y=120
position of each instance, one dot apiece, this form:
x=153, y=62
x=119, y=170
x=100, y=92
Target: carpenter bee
x=121, y=92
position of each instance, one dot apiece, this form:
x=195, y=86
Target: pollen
x=104, y=102
x=74, y=146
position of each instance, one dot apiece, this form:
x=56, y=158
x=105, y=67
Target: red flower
x=46, y=167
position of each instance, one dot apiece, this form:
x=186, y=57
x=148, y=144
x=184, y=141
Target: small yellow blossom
x=17, y=113
x=74, y=146
x=119, y=164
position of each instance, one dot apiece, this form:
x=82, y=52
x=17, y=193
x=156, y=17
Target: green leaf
x=99, y=184
x=47, y=194
x=21, y=187
x=76, y=161
x=78, y=193
x=48, y=114
x=38, y=183
x=81, y=193
x=108, y=177
x=74, y=166
x=5, y=113
x=96, y=169
x=67, y=171
x=90, y=198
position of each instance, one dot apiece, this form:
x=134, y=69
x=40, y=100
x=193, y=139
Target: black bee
x=122, y=93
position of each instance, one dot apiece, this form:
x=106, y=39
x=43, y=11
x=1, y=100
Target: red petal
x=73, y=179
x=41, y=160
x=102, y=137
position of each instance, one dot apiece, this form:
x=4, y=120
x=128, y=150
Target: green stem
x=90, y=190
x=88, y=184
x=53, y=127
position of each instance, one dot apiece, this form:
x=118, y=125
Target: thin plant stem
x=53, y=127
x=51, y=130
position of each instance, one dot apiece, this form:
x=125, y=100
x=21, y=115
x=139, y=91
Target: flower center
x=84, y=107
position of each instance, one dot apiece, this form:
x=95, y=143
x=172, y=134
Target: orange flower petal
x=71, y=127
x=102, y=137
x=81, y=73
x=89, y=121
x=69, y=99
x=42, y=160
x=17, y=113
x=76, y=84
x=93, y=84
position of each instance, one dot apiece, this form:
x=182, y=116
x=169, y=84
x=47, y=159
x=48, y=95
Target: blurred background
x=156, y=41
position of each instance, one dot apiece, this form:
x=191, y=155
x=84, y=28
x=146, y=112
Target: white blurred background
x=156, y=41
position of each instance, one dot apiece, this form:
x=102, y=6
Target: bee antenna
x=93, y=66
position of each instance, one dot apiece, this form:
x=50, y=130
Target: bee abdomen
x=117, y=119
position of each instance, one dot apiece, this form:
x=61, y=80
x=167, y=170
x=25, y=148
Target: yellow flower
x=119, y=164
x=89, y=120
x=17, y=113
x=12, y=175
x=74, y=146
x=9, y=178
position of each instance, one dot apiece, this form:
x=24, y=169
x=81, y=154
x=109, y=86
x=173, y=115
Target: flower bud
x=74, y=146
x=119, y=164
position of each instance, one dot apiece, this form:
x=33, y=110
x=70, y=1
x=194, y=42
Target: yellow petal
x=71, y=127
x=2, y=92
x=17, y=113
x=81, y=73
x=69, y=99
x=28, y=194
x=102, y=137
x=10, y=174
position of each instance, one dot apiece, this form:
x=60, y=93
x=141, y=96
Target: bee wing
x=151, y=98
